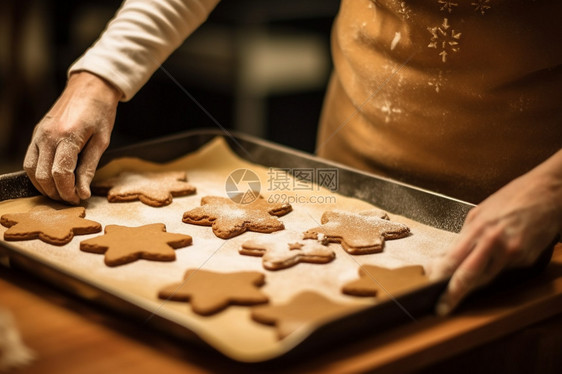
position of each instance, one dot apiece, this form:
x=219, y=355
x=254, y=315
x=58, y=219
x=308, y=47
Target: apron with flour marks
x=456, y=96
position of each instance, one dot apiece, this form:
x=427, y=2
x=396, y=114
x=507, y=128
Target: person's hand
x=68, y=142
x=509, y=229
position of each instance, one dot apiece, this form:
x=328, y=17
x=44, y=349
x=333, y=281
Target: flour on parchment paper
x=208, y=169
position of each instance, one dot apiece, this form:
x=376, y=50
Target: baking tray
x=417, y=204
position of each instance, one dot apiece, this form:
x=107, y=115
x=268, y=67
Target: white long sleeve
x=139, y=38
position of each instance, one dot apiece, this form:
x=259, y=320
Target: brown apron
x=459, y=97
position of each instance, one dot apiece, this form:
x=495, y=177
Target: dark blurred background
x=257, y=66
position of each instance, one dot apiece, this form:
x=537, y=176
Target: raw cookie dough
x=209, y=292
x=122, y=244
x=386, y=283
x=303, y=309
x=50, y=225
x=230, y=219
x=152, y=188
x=285, y=249
x=358, y=233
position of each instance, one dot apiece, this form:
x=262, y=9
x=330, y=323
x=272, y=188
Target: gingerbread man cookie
x=50, y=225
x=358, y=233
x=122, y=244
x=285, y=249
x=386, y=283
x=306, y=308
x=229, y=219
x=152, y=188
x=209, y=292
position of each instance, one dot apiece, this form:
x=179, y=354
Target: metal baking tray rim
x=305, y=339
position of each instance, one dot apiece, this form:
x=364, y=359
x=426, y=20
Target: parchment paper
x=232, y=331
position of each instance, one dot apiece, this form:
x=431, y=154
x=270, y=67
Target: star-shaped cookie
x=306, y=308
x=285, y=249
x=209, y=292
x=358, y=233
x=229, y=219
x=50, y=225
x=152, y=188
x=385, y=283
x=122, y=244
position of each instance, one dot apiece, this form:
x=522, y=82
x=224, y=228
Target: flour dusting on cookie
x=151, y=188
x=359, y=233
x=287, y=248
x=229, y=219
x=53, y=226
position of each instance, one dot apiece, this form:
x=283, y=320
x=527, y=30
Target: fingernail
x=442, y=309
x=84, y=193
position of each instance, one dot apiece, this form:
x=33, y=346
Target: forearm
x=139, y=38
